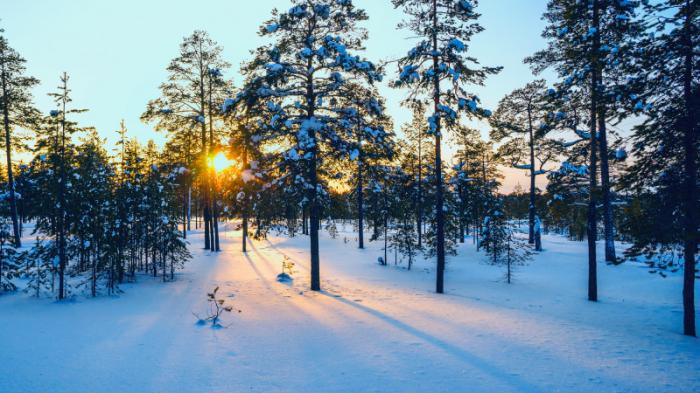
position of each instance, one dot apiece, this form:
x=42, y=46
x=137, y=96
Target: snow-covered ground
x=373, y=328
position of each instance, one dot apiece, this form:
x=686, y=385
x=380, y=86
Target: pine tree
x=42, y=264
x=245, y=143
x=479, y=178
x=404, y=239
x=449, y=223
x=190, y=99
x=62, y=153
x=568, y=190
x=503, y=247
x=369, y=123
x=405, y=242
x=520, y=123
x=416, y=132
x=9, y=256
x=665, y=145
x=17, y=111
x=380, y=179
x=589, y=41
x=302, y=78
x=93, y=215
x=445, y=28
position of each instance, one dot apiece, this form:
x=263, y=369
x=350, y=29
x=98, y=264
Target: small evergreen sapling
x=42, y=266
x=504, y=248
x=9, y=257
x=332, y=228
x=217, y=307
x=287, y=270
x=405, y=241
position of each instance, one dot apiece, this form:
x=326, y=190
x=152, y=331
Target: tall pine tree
x=303, y=77
x=17, y=110
x=438, y=68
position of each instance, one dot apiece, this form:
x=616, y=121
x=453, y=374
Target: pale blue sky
x=116, y=51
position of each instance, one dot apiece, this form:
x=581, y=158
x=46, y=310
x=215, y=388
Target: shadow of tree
x=518, y=383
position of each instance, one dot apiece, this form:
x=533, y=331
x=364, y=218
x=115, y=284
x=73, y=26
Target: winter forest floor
x=372, y=328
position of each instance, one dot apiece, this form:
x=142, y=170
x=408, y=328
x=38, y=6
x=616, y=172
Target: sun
x=220, y=162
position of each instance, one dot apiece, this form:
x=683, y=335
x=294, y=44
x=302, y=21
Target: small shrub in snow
x=287, y=270
x=217, y=307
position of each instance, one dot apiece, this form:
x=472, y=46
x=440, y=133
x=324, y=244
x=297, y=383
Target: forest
x=302, y=147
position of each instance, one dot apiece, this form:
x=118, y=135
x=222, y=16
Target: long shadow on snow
x=457, y=352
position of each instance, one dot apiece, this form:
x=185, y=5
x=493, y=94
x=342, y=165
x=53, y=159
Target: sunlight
x=220, y=162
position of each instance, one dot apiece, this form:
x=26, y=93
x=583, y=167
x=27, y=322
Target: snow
x=228, y=103
x=297, y=11
x=620, y=154
x=456, y=44
x=247, y=175
x=373, y=328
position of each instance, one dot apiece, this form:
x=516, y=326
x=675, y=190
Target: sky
x=116, y=52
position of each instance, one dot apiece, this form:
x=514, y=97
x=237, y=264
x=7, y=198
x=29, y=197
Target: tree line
x=615, y=134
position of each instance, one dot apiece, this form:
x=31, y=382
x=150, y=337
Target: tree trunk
x=461, y=213
x=603, y=142
x=205, y=158
x=360, y=202
x=313, y=178
x=419, y=199
x=304, y=221
x=531, y=207
x=592, y=219
x=439, y=283
x=62, y=201
x=605, y=185
x=690, y=182
x=184, y=216
x=216, y=225
x=207, y=221
x=508, y=258
x=244, y=235
x=215, y=211
x=189, y=207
